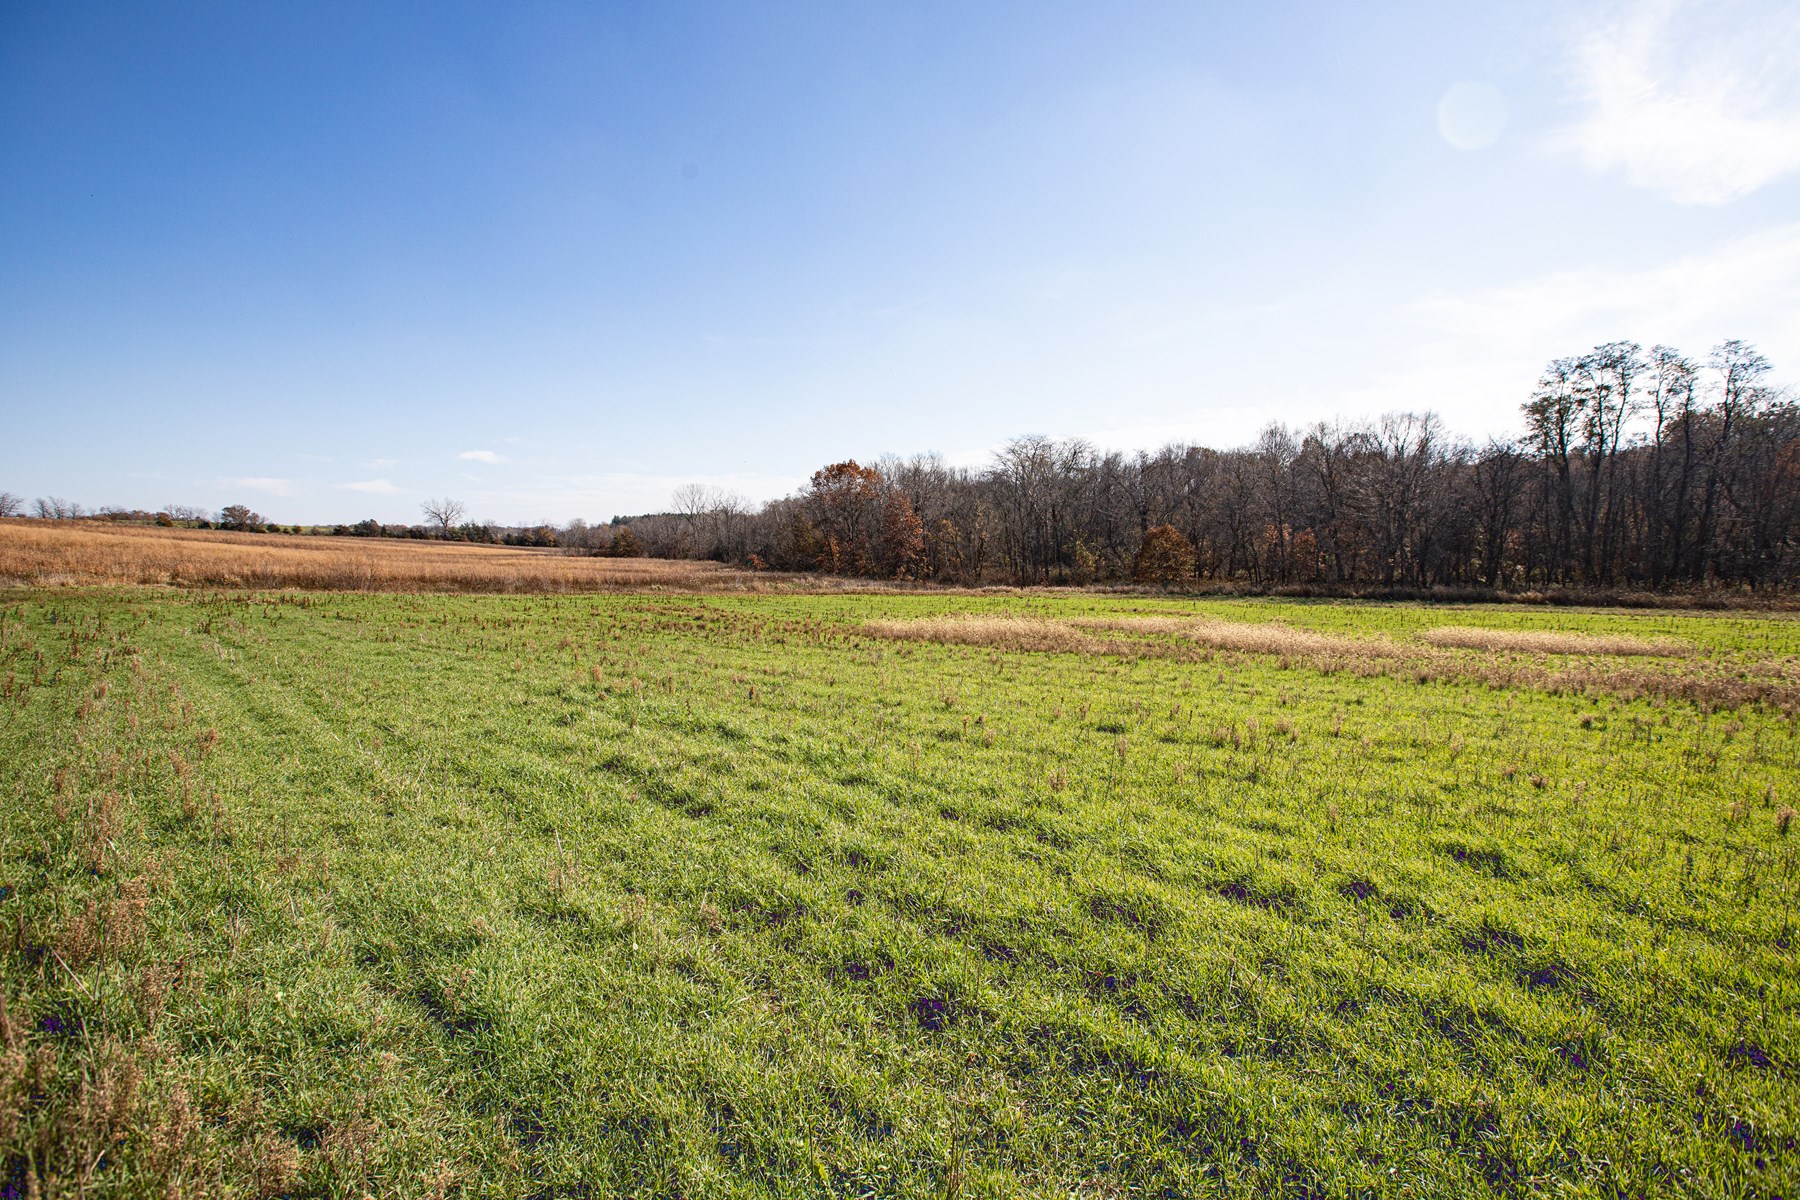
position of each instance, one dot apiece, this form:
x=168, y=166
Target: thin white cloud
x=261, y=483
x=381, y=464
x=374, y=487
x=1473, y=356
x=1700, y=102
x=1477, y=354
x=486, y=456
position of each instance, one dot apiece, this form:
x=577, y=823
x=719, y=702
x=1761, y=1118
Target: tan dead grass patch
x=1266, y=637
x=1071, y=636
x=1002, y=632
x=1544, y=641
x=1707, y=682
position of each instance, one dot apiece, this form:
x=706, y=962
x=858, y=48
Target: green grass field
x=706, y=896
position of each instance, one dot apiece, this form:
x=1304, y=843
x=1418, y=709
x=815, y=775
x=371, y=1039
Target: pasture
x=893, y=895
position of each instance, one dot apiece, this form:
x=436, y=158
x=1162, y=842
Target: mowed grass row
x=719, y=896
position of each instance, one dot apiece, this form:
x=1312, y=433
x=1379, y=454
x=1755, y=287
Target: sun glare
x=1472, y=115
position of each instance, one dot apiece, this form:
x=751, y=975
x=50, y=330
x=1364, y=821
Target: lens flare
x=1471, y=115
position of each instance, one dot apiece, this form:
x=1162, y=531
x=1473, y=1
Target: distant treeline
x=1635, y=469
x=481, y=532
x=241, y=519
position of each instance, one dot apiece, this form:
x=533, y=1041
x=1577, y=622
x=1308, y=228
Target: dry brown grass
x=1073, y=636
x=1245, y=637
x=1713, y=683
x=73, y=552
x=1538, y=641
x=1005, y=633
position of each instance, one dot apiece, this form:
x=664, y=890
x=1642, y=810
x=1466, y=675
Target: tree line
x=1634, y=468
x=444, y=521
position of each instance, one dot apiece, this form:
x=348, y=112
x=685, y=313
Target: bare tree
x=443, y=513
x=1498, y=480
x=1605, y=379
x=1668, y=485
x=693, y=500
x=55, y=508
x=11, y=505
x=730, y=516
x=1551, y=423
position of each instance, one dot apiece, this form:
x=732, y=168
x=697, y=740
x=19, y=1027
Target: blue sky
x=557, y=259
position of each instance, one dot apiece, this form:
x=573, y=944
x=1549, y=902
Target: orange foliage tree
x=1165, y=557
x=902, y=538
x=843, y=505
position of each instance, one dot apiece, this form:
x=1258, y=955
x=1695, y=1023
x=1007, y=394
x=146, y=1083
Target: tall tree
x=901, y=552
x=443, y=513
x=1740, y=370
x=1668, y=486
x=1607, y=383
x=843, y=504
x=1551, y=418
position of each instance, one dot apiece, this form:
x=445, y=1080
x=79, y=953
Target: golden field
x=82, y=552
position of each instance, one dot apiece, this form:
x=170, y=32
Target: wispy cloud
x=1473, y=354
x=374, y=487
x=486, y=456
x=381, y=464
x=1481, y=350
x=1701, y=102
x=261, y=483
